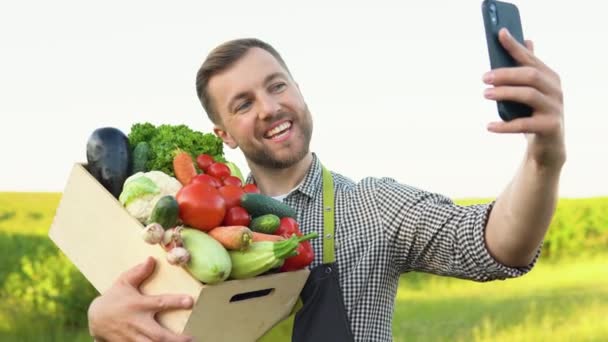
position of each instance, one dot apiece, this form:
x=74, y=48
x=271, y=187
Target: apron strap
x=278, y=332
x=328, y=217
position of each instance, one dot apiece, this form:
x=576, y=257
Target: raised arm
x=522, y=213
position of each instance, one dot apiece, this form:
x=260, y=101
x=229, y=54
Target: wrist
x=546, y=156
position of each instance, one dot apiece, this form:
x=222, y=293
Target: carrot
x=257, y=237
x=233, y=238
x=183, y=166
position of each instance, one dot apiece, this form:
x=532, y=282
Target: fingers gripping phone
x=496, y=15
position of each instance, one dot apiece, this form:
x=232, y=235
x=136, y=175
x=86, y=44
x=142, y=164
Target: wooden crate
x=100, y=237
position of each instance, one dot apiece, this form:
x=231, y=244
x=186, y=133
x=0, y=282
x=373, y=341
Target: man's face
x=261, y=110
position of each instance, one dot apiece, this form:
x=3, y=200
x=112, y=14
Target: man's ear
x=226, y=137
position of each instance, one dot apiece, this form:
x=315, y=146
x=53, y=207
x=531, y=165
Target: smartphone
x=496, y=15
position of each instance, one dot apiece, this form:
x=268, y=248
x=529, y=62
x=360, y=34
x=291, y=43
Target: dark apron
x=321, y=315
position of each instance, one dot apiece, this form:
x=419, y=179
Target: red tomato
x=237, y=216
x=201, y=206
x=206, y=179
x=251, y=189
x=232, y=180
x=204, y=161
x=218, y=170
x=232, y=195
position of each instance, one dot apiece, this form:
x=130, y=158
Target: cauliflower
x=142, y=190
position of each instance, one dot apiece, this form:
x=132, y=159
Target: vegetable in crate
x=251, y=188
x=201, y=206
x=289, y=227
x=233, y=238
x=257, y=237
x=142, y=191
x=235, y=171
x=204, y=161
x=297, y=262
x=183, y=167
x=165, y=139
x=109, y=158
x=263, y=256
x=237, y=216
x=204, y=178
x=259, y=204
x=208, y=261
x=232, y=195
x=141, y=154
x=165, y=212
x=153, y=233
x=218, y=170
x=265, y=224
x=233, y=180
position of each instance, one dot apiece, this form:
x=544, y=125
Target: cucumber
x=209, y=260
x=165, y=212
x=141, y=154
x=267, y=224
x=258, y=205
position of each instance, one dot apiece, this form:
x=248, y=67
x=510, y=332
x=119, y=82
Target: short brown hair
x=222, y=58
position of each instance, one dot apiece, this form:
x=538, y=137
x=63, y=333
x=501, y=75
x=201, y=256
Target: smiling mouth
x=278, y=131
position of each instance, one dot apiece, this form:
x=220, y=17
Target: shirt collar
x=312, y=180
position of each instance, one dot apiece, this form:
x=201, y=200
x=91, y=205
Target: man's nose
x=269, y=107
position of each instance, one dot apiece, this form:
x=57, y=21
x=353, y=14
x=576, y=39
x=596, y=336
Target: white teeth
x=280, y=128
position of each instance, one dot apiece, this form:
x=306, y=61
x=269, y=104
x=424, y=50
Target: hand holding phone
x=496, y=15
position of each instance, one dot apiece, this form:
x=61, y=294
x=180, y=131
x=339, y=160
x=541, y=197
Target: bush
x=579, y=227
x=44, y=284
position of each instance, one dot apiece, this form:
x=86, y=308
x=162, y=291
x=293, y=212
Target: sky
x=394, y=87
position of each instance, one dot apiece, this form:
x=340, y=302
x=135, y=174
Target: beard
x=265, y=158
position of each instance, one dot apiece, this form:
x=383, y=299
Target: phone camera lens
x=493, y=13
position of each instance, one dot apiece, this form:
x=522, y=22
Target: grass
x=562, y=299
x=27, y=212
x=566, y=301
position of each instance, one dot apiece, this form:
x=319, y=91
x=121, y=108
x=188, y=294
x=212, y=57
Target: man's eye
x=278, y=87
x=243, y=106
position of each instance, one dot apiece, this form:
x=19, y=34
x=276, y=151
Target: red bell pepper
x=288, y=227
x=306, y=255
x=304, y=258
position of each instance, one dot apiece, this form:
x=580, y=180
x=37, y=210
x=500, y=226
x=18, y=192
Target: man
x=381, y=228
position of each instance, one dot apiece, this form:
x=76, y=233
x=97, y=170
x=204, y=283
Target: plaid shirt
x=384, y=229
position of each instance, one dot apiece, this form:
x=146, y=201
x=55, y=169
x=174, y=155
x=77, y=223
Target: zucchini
x=141, y=154
x=267, y=224
x=263, y=256
x=258, y=205
x=165, y=212
x=109, y=158
x=209, y=261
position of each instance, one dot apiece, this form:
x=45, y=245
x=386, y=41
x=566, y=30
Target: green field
x=565, y=297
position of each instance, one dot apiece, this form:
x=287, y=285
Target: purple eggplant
x=109, y=158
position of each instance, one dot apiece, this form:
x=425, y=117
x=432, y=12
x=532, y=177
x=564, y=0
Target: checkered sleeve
x=427, y=232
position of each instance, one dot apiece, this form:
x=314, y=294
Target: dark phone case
x=507, y=16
